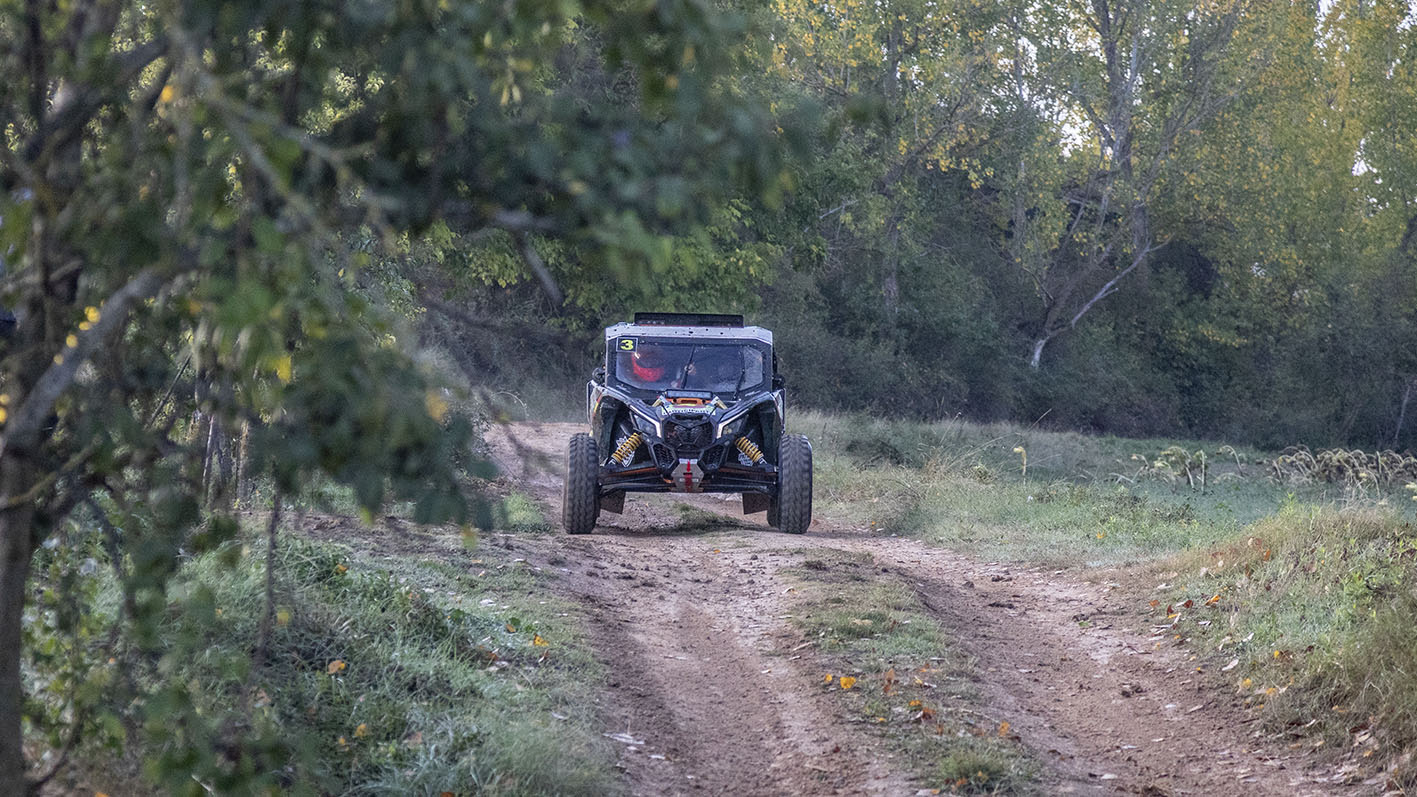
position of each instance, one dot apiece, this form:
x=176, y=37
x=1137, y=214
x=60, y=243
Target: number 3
x=627, y=344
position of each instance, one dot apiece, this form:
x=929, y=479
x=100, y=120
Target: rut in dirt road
x=704, y=686
x=711, y=690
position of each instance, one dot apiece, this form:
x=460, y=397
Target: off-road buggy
x=688, y=403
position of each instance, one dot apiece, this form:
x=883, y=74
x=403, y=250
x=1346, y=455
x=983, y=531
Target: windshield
x=716, y=367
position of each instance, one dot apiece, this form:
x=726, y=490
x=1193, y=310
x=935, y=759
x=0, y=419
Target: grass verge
x=1310, y=615
x=395, y=664
x=893, y=667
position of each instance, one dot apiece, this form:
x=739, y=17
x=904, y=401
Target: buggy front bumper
x=714, y=469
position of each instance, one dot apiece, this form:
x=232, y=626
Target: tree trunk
x=1402, y=411
x=1037, y=352
x=890, y=280
x=243, y=466
x=16, y=550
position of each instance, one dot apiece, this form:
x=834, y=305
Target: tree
x=1129, y=79
x=189, y=189
x=911, y=81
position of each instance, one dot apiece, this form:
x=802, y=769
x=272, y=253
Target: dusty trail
x=709, y=694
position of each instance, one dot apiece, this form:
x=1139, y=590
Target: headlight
x=647, y=425
x=734, y=427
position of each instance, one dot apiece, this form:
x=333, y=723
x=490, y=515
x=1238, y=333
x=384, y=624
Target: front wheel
x=580, y=502
x=792, y=507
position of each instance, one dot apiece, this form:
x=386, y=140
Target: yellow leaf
x=283, y=616
x=437, y=406
x=341, y=569
x=361, y=731
x=4, y=415
x=537, y=641
x=283, y=369
x=1245, y=684
x=335, y=666
x=1003, y=729
x=168, y=92
x=510, y=628
x=91, y=314
x=826, y=679
x=72, y=341
x=847, y=682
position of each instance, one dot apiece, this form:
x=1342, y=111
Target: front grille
x=688, y=435
x=713, y=457
x=664, y=455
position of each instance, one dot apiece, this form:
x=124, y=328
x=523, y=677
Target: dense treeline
x=1131, y=217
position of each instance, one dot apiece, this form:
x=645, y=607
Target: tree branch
x=23, y=430
x=1111, y=285
x=258, y=657
x=69, y=117
x=538, y=267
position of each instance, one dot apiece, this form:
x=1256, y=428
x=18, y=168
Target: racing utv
x=688, y=403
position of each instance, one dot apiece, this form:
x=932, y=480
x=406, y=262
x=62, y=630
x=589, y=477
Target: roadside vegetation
x=1293, y=585
x=387, y=661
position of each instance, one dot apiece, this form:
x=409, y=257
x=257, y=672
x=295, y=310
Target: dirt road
x=710, y=692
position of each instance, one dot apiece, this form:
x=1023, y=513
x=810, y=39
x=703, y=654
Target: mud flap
x=755, y=502
x=613, y=502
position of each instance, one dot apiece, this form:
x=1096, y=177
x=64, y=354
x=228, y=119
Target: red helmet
x=647, y=364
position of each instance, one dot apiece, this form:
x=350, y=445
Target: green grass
x=964, y=485
x=403, y=674
x=912, y=685
x=522, y=515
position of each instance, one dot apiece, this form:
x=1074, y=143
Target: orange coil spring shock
x=626, y=450
x=750, y=450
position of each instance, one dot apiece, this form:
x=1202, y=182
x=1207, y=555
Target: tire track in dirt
x=711, y=697
x=700, y=690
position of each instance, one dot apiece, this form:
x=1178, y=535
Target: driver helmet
x=647, y=363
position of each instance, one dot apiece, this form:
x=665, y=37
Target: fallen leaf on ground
x=847, y=682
